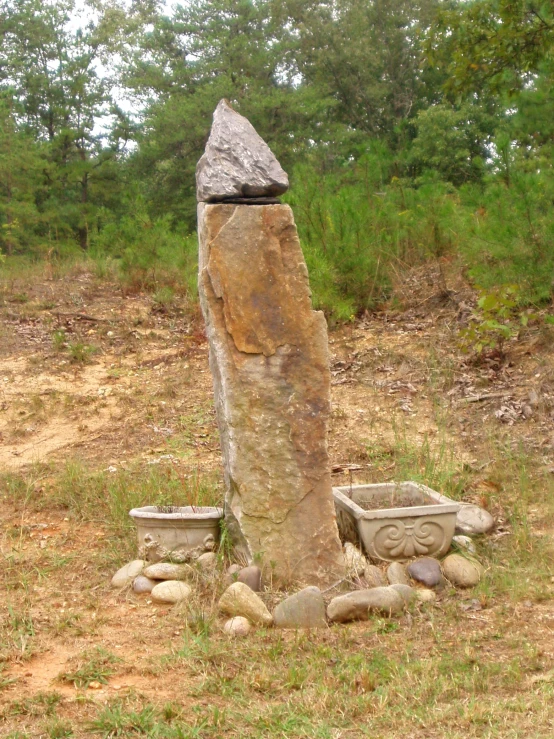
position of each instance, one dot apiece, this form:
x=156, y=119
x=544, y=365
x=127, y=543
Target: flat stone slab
x=237, y=163
x=302, y=610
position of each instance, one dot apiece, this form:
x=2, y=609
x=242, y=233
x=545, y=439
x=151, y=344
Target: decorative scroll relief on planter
x=409, y=538
x=180, y=534
x=396, y=521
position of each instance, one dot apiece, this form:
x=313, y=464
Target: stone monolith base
x=269, y=360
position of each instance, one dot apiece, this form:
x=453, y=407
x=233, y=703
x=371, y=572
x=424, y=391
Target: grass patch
x=475, y=664
x=342, y=683
x=107, y=497
x=95, y=665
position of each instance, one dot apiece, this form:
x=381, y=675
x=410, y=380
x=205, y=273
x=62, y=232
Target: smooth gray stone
x=426, y=596
x=360, y=604
x=462, y=572
x=303, y=610
x=471, y=519
x=237, y=163
x=374, y=577
x=126, y=574
x=426, y=570
x=396, y=574
x=207, y=561
x=405, y=591
x=167, y=571
x=464, y=542
x=251, y=576
x=142, y=584
x=237, y=626
x=170, y=591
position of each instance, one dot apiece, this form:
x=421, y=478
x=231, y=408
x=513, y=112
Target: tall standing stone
x=270, y=365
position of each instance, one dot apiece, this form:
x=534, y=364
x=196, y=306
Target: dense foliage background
x=412, y=130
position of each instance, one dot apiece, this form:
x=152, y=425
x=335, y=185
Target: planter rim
x=183, y=513
x=442, y=503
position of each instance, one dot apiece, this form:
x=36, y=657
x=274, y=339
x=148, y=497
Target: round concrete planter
x=396, y=521
x=177, y=534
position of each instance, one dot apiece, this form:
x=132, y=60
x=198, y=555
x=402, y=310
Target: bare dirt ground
x=120, y=384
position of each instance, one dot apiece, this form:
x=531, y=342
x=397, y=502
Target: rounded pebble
x=240, y=600
x=405, y=591
x=237, y=626
x=167, y=571
x=126, y=574
x=424, y=595
x=460, y=571
x=426, y=570
x=354, y=560
x=471, y=519
x=374, y=577
x=396, y=574
x=251, y=576
x=207, y=561
x=142, y=584
x=170, y=591
x=464, y=542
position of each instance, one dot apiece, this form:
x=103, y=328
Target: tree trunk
x=83, y=230
x=9, y=218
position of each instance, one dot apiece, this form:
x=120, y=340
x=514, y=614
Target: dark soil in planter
x=383, y=501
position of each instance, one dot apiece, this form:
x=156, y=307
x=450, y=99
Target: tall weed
x=149, y=254
x=355, y=229
x=510, y=234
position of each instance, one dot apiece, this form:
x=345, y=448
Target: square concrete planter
x=396, y=521
x=177, y=534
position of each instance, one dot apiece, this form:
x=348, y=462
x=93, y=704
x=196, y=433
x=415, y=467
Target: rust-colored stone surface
x=269, y=360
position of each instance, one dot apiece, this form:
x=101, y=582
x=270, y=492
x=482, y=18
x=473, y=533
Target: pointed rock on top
x=237, y=163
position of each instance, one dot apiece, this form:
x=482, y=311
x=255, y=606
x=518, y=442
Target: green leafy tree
x=492, y=45
x=185, y=64
x=63, y=87
x=21, y=165
x=367, y=58
x=453, y=141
